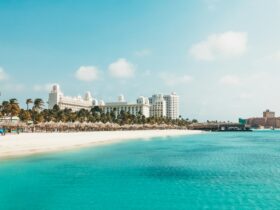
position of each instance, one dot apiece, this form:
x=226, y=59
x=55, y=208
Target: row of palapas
x=84, y=126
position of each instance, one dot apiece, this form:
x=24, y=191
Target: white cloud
x=87, y=73
x=230, y=80
x=121, y=69
x=43, y=88
x=172, y=80
x=143, y=53
x=224, y=45
x=3, y=74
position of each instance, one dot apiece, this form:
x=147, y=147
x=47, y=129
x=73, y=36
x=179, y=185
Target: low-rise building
x=141, y=106
x=268, y=114
x=269, y=120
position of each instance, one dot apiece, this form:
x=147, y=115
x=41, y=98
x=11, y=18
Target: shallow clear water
x=208, y=171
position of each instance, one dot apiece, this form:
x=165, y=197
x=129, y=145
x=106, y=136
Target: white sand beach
x=36, y=143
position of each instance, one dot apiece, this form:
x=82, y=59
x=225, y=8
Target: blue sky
x=221, y=57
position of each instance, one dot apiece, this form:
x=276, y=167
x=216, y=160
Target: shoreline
x=27, y=144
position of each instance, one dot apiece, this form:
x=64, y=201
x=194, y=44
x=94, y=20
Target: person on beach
x=3, y=131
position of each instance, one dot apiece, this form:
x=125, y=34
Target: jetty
x=220, y=127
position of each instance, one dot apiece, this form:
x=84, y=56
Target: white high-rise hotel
x=158, y=105
x=172, y=105
x=165, y=105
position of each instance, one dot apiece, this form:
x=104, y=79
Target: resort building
x=269, y=120
x=165, y=105
x=157, y=106
x=172, y=105
x=141, y=106
x=268, y=114
x=56, y=97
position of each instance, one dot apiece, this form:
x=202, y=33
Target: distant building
x=56, y=97
x=267, y=121
x=157, y=106
x=141, y=106
x=268, y=114
x=172, y=105
x=165, y=105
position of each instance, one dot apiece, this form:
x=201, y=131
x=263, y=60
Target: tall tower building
x=172, y=105
x=157, y=106
x=54, y=96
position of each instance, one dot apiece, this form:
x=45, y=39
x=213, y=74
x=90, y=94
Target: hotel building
x=268, y=114
x=157, y=106
x=172, y=105
x=141, y=106
x=164, y=105
x=56, y=97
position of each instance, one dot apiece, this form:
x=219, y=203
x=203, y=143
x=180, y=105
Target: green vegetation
x=38, y=114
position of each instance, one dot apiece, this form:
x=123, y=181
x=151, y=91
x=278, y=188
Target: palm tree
x=5, y=107
x=28, y=101
x=83, y=115
x=24, y=115
x=38, y=104
x=13, y=101
x=14, y=110
x=194, y=121
x=11, y=107
x=5, y=103
x=37, y=107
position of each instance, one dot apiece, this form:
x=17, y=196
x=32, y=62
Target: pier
x=220, y=127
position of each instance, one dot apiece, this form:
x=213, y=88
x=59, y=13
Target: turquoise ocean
x=207, y=171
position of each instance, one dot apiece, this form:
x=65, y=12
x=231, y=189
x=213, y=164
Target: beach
x=36, y=143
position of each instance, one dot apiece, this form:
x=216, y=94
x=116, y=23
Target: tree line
x=35, y=112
